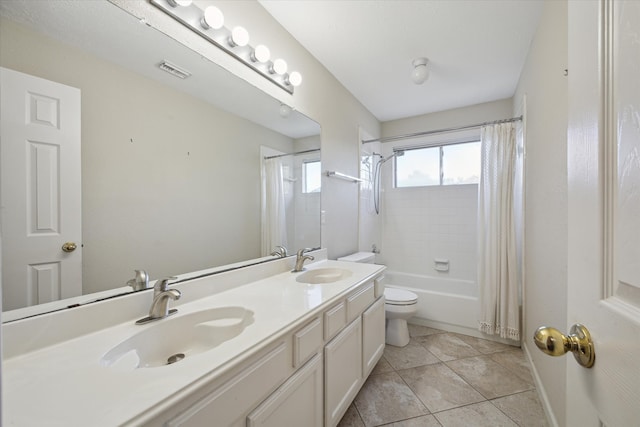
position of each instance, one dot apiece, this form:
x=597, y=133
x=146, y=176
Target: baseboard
x=464, y=330
x=542, y=394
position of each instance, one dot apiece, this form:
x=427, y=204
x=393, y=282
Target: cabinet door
x=343, y=371
x=373, y=330
x=298, y=402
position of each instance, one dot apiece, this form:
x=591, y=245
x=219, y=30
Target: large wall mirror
x=173, y=171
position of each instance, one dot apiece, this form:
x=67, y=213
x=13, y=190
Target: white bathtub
x=449, y=304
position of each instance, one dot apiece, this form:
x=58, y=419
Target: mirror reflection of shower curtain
x=274, y=221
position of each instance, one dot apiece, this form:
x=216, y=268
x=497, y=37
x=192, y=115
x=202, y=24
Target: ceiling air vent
x=174, y=69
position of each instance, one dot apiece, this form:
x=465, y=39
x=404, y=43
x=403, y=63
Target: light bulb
x=279, y=66
x=420, y=74
x=213, y=18
x=260, y=54
x=295, y=78
x=183, y=3
x=239, y=37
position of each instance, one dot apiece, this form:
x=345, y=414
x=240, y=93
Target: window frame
x=303, y=187
x=440, y=145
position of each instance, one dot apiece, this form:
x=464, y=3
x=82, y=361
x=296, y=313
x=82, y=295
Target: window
x=439, y=165
x=312, y=176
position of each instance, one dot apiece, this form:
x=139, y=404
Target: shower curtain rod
x=431, y=132
x=292, y=154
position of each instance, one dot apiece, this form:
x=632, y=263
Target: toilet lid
x=399, y=296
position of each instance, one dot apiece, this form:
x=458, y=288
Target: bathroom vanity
x=258, y=346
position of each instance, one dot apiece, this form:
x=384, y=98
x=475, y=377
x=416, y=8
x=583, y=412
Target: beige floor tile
x=484, y=346
x=425, y=421
x=439, y=387
x=420, y=331
x=409, y=356
x=524, y=408
x=351, y=418
x=386, y=398
x=382, y=367
x=447, y=346
x=488, y=377
x=478, y=415
x=516, y=362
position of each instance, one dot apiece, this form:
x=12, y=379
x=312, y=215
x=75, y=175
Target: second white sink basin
x=323, y=275
x=170, y=340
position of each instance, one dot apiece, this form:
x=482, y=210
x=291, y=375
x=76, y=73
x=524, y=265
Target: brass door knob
x=69, y=247
x=555, y=343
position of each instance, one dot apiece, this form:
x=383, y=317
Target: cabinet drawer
x=359, y=301
x=306, y=342
x=237, y=396
x=334, y=320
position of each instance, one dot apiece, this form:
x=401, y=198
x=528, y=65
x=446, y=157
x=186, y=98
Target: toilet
x=399, y=306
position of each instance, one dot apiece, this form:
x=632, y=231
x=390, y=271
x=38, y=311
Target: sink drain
x=175, y=358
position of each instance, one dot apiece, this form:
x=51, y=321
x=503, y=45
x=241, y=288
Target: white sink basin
x=170, y=340
x=323, y=275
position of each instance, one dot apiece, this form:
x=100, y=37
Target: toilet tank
x=363, y=257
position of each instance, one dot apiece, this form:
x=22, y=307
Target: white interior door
x=604, y=209
x=40, y=190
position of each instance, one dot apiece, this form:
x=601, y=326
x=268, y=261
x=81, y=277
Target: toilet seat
x=395, y=296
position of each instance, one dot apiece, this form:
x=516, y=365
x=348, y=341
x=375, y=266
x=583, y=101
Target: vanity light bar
x=192, y=17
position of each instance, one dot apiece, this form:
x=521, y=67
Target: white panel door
x=40, y=190
x=604, y=210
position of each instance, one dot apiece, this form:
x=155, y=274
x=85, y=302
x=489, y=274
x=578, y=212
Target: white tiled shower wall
x=421, y=224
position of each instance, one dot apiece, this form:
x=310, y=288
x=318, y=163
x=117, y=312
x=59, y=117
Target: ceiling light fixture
x=420, y=73
x=285, y=111
x=209, y=24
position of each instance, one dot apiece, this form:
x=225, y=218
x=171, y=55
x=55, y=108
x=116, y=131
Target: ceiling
x=476, y=48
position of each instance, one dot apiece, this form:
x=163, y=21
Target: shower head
x=395, y=154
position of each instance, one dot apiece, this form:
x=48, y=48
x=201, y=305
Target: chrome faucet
x=300, y=259
x=160, y=304
x=140, y=281
x=280, y=252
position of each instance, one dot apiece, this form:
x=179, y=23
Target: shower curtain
x=497, y=256
x=274, y=221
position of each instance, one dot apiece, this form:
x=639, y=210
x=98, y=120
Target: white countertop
x=65, y=384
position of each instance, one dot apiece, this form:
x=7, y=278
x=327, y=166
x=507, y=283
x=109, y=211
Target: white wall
x=545, y=255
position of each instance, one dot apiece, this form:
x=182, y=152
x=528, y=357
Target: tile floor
x=449, y=380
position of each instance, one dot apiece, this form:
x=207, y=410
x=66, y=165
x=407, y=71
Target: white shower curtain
x=274, y=221
x=497, y=256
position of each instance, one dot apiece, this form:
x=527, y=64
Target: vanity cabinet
x=308, y=376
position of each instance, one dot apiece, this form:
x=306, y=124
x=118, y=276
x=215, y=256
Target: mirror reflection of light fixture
x=420, y=73
x=284, y=111
x=209, y=24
